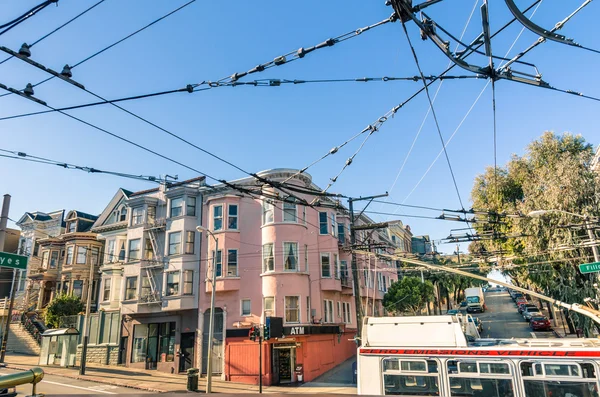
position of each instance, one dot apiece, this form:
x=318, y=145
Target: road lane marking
x=77, y=387
x=533, y=335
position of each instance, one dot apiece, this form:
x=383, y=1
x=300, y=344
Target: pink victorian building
x=279, y=258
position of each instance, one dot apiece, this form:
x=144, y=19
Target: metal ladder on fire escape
x=155, y=261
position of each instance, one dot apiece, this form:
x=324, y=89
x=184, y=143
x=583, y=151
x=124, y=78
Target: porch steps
x=20, y=341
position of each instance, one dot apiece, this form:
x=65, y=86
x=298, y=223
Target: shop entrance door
x=123, y=350
x=283, y=362
x=186, y=358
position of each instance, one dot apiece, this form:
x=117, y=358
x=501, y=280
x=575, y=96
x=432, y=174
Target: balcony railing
x=151, y=263
x=158, y=223
x=149, y=298
x=346, y=281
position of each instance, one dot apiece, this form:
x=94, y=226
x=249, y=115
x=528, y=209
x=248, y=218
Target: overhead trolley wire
x=437, y=124
x=36, y=159
x=439, y=87
x=25, y=16
x=256, y=83
x=115, y=43
x=59, y=28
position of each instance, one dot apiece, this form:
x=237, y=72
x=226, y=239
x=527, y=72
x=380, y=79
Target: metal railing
x=346, y=281
x=34, y=327
x=152, y=297
x=158, y=223
x=33, y=376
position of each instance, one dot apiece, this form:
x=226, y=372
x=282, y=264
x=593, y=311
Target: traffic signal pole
x=259, y=363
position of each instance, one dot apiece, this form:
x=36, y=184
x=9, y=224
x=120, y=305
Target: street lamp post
x=211, y=327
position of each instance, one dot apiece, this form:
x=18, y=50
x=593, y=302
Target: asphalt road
x=501, y=319
x=58, y=386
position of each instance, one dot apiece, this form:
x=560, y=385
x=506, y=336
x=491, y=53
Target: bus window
x=480, y=379
x=411, y=377
x=564, y=379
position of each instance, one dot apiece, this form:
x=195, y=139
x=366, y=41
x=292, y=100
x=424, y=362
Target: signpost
x=589, y=267
x=15, y=262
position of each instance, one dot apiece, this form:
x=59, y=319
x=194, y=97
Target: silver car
x=530, y=312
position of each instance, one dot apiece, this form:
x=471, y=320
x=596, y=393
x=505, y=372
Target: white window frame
x=323, y=223
x=178, y=245
x=237, y=264
x=272, y=310
x=286, y=309
x=135, y=288
x=264, y=257
x=242, y=313
x=321, y=256
x=287, y=212
x=236, y=217
x=285, y=255
x=336, y=264
x=268, y=212
x=214, y=217
x=167, y=274
x=181, y=207
x=45, y=259
x=339, y=309
x=189, y=244
x=130, y=258
x=70, y=253
x=306, y=257
x=104, y=281
x=328, y=311
x=137, y=216
x=333, y=225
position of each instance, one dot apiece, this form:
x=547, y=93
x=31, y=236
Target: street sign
x=589, y=267
x=13, y=261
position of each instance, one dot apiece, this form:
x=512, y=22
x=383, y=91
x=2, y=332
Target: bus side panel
x=369, y=375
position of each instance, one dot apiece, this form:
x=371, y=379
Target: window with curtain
x=290, y=256
x=292, y=309
x=268, y=258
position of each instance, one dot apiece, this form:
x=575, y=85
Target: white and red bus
x=430, y=356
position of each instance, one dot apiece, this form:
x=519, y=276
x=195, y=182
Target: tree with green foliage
x=62, y=305
x=553, y=174
x=409, y=294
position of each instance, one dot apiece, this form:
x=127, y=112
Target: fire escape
x=152, y=264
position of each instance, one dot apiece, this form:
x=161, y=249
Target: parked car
x=540, y=323
x=530, y=312
x=521, y=301
x=453, y=312
x=525, y=306
x=517, y=295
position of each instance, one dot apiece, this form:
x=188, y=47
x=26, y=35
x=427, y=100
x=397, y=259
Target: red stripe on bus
x=496, y=353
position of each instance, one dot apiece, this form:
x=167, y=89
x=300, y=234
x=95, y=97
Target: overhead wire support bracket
x=17, y=92
x=42, y=67
x=548, y=34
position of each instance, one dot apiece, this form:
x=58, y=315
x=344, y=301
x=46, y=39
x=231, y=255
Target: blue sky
x=260, y=128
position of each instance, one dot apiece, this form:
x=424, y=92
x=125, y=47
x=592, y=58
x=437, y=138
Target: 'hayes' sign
x=13, y=261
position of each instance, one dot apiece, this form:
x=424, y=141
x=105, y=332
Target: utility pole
x=357, y=298
x=3, y=223
x=86, y=325
x=4, y=220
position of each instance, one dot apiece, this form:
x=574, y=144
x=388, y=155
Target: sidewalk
x=160, y=382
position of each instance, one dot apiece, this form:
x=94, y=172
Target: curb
x=95, y=380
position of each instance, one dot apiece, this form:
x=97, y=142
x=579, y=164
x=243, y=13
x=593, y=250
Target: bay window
x=267, y=212
x=268, y=258
x=325, y=266
x=289, y=211
x=232, y=217
x=292, y=309
x=232, y=263
x=176, y=207
x=217, y=217
x=290, y=256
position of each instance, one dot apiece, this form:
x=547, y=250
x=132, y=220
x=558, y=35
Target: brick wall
x=102, y=354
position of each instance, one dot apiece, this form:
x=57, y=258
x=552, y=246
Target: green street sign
x=590, y=267
x=13, y=261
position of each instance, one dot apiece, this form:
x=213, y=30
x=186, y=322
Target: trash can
x=192, y=379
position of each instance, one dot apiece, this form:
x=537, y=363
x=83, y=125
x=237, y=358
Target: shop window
x=167, y=342
x=140, y=343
